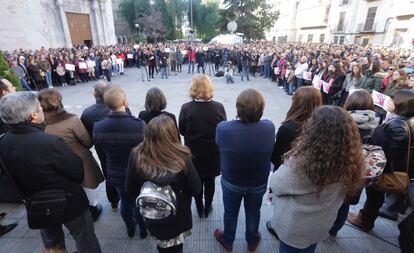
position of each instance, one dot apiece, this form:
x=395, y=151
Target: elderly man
x=300, y=67
x=53, y=166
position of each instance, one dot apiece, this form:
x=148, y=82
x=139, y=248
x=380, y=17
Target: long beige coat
x=77, y=137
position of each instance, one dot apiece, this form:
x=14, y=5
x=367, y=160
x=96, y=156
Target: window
x=322, y=38
x=369, y=22
x=341, y=40
x=365, y=41
x=336, y=39
x=345, y=2
x=341, y=21
x=310, y=37
x=300, y=38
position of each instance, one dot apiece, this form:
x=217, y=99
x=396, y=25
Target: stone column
x=98, y=24
x=60, y=4
x=104, y=32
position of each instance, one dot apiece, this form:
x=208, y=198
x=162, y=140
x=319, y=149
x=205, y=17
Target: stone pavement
x=111, y=230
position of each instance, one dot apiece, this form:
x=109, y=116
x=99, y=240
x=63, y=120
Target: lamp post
x=137, y=26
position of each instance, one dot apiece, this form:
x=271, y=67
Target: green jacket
x=372, y=82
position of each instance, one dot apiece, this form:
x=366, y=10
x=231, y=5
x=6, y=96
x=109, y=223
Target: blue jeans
x=245, y=72
x=25, y=85
x=164, y=72
x=340, y=219
x=266, y=70
x=284, y=248
x=48, y=77
x=191, y=67
x=298, y=83
x=232, y=197
x=129, y=210
x=291, y=88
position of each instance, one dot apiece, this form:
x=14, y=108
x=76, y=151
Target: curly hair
x=329, y=150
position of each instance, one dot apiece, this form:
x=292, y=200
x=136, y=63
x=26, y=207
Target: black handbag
x=44, y=208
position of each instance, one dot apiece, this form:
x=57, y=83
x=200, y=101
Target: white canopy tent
x=227, y=39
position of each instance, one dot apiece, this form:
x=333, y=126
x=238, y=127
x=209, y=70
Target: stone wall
x=40, y=23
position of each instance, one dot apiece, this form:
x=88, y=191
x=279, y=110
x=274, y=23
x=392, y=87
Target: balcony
x=366, y=28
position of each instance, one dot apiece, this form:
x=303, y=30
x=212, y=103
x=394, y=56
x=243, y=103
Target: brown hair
x=305, y=100
x=155, y=100
x=50, y=100
x=359, y=100
x=329, y=150
x=201, y=87
x=114, y=97
x=404, y=102
x=250, y=105
x=359, y=72
x=161, y=150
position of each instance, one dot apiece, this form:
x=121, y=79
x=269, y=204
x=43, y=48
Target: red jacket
x=191, y=55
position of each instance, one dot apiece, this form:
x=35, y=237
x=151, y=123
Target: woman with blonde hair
x=197, y=123
x=71, y=129
x=162, y=160
x=325, y=164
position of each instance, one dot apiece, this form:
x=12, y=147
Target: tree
x=253, y=17
x=172, y=12
x=205, y=17
x=7, y=73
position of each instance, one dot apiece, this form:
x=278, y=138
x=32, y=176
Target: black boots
x=95, y=211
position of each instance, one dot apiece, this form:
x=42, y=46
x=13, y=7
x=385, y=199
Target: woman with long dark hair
x=325, y=164
x=163, y=160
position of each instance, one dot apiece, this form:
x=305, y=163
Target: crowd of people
x=336, y=142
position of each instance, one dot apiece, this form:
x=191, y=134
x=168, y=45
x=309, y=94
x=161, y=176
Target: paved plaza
x=110, y=228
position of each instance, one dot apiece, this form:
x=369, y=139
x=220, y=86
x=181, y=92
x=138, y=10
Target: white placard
x=70, y=67
x=277, y=71
x=167, y=50
x=307, y=75
x=287, y=73
x=83, y=65
x=317, y=82
x=136, y=46
x=205, y=49
x=380, y=99
x=91, y=64
x=119, y=61
x=325, y=86
x=184, y=52
x=130, y=56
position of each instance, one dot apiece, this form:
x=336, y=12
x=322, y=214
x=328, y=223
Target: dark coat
x=148, y=116
x=114, y=137
x=396, y=144
x=190, y=184
x=197, y=123
x=94, y=113
x=285, y=136
x=41, y=161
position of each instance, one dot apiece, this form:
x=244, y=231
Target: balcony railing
x=366, y=28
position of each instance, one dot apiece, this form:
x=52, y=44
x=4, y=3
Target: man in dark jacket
x=115, y=136
x=5, y=88
x=52, y=166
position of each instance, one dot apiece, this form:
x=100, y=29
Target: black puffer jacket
x=41, y=161
x=190, y=184
x=396, y=144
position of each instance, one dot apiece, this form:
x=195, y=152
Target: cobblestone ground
x=110, y=228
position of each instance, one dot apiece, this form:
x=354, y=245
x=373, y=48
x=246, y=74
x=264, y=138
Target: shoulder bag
x=396, y=181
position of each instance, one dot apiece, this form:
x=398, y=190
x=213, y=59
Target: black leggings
x=174, y=249
x=151, y=71
x=208, y=184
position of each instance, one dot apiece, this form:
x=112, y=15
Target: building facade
x=55, y=23
x=375, y=22
x=122, y=29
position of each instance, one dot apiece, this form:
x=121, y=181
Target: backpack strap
x=409, y=146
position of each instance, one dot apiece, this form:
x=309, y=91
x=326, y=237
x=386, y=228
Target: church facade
x=56, y=23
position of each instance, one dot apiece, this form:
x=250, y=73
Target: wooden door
x=79, y=27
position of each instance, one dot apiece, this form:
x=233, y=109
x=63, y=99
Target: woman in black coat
x=304, y=102
x=399, y=136
x=162, y=160
x=197, y=123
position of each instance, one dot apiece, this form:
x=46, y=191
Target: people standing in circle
x=325, y=164
x=198, y=120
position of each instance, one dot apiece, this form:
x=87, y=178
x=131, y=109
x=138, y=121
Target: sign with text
x=307, y=75
x=130, y=56
x=381, y=100
x=91, y=64
x=83, y=65
x=69, y=67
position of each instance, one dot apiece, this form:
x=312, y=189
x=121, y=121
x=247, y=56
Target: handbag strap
x=409, y=145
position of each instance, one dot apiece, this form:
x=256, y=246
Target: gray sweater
x=300, y=218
